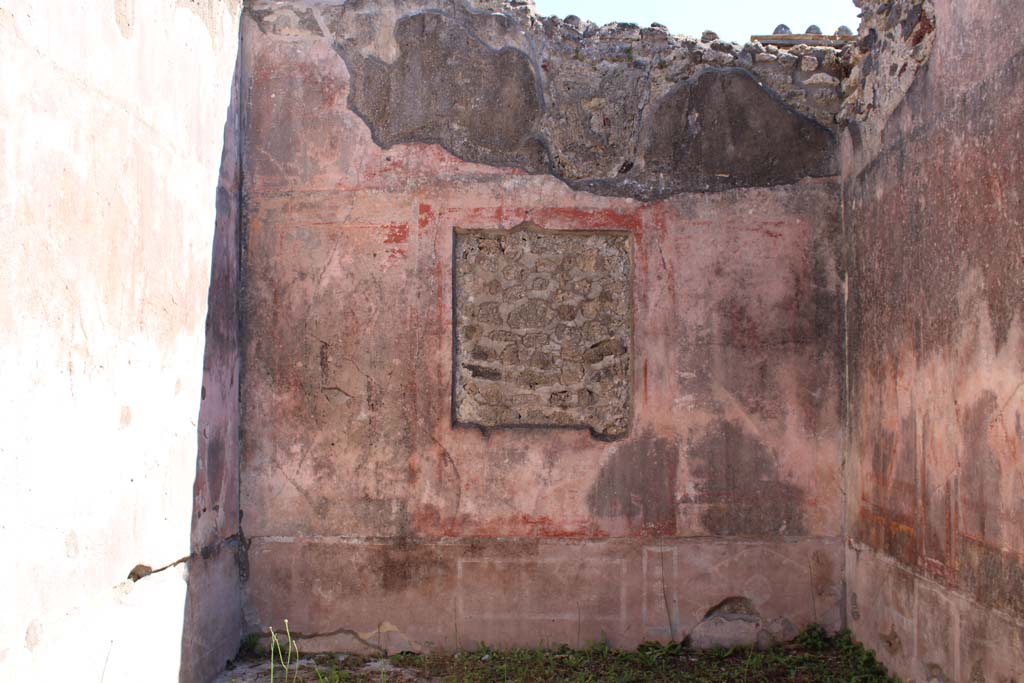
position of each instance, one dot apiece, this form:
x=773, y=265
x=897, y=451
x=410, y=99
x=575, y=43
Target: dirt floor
x=814, y=657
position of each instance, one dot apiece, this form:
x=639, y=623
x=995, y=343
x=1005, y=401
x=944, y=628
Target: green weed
x=250, y=647
x=814, y=657
x=814, y=638
x=290, y=673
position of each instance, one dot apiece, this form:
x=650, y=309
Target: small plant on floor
x=277, y=654
x=250, y=647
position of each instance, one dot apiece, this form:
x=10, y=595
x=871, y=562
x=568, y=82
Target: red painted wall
x=366, y=507
x=936, y=481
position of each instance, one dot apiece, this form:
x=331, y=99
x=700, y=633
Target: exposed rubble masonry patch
x=613, y=113
x=543, y=323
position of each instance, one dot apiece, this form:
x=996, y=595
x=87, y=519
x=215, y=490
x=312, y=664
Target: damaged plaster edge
x=345, y=53
x=628, y=188
x=621, y=188
x=617, y=187
x=537, y=150
x=487, y=430
x=258, y=201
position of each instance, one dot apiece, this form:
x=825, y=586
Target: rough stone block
x=822, y=80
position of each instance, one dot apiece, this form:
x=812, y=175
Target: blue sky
x=734, y=20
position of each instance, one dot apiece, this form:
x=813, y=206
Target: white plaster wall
x=112, y=117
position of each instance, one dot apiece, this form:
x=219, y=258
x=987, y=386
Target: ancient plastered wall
x=376, y=523
x=935, y=224
x=113, y=130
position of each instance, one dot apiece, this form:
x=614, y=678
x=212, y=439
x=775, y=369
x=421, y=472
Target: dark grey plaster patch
x=739, y=482
x=722, y=130
x=449, y=88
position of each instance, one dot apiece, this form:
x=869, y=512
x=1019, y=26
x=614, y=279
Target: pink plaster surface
x=935, y=563
x=364, y=503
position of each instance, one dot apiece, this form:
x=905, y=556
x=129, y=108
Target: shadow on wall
x=213, y=613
